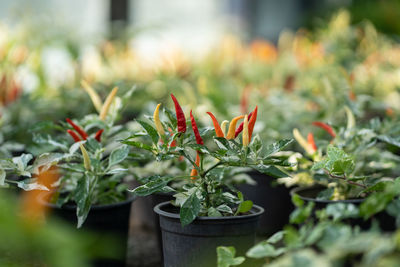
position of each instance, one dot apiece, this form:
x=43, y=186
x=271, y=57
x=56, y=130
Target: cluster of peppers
x=246, y=126
x=79, y=134
x=309, y=145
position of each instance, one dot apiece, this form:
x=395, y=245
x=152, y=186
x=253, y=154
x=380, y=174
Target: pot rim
x=131, y=198
x=296, y=190
x=158, y=209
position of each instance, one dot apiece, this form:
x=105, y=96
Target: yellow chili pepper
x=223, y=127
x=157, y=122
x=351, y=121
x=86, y=159
x=107, y=103
x=245, y=134
x=93, y=95
x=302, y=142
x=232, y=127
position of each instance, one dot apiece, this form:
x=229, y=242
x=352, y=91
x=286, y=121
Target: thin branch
x=212, y=167
x=345, y=179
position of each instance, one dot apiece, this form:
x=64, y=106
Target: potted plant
x=355, y=165
x=207, y=211
x=91, y=191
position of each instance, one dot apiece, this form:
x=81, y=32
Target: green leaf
x=155, y=185
x=226, y=257
x=190, y=209
x=138, y=145
x=278, y=236
x=222, y=143
x=31, y=184
x=225, y=208
x=297, y=201
x=213, y=212
x=83, y=199
x=150, y=130
x=118, y=155
x=276, y=147
x=270, y=170
x=245, y=206
x=263, y=250
x=341, y=211
x=45, y=161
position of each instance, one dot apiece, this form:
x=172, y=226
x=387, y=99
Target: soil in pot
x=195, y=244
x=274, y=198
x=386, y=222
x=106, y=223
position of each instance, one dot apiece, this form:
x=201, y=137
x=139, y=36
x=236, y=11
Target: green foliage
x=226, y=257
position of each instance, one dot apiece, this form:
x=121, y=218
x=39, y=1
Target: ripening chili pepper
x=180, y=116
x=199, y=140
x=240, y=128
x=351, y=121
x=74, y=135
x=245, y=135
x=93, y=95
x=252, y=122
x=98, y=134
x=232, y=127
x=223, y=126
x=244, y=101
x=311, y=141
x=218, y=130
x=157, y=122
x=194, y=171
x=86, y=158
x=302, y=142
x=78, y=129
x=107, y=104
x=326, y=127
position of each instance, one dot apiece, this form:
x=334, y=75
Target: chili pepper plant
x=353, y=162
x=213, y=153
x=90, y=159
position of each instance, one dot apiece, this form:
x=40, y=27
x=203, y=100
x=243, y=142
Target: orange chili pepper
x=217, y=127
x=194, y=171
x=252, y=121
x=311, y=141
x=326, y=127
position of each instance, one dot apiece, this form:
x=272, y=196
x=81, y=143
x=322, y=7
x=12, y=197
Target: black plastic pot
x=195, y=244
x=274, y=198
x=309, y=194
x=103, y=222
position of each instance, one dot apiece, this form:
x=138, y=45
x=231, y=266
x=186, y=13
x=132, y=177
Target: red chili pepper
x=311, y=141
x=199, y=140
x=194, y=171
x=80, y=131
x=74, y=135
x=244, y=101
x=217, y=127
x=180, y=116
x=252, y=122
x=240, y=128
x=326, y=127
x=98, y=134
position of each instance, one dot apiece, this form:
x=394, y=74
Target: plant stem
x=212, y=167
x=345, y=179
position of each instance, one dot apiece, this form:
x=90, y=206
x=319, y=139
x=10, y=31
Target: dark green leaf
x=190, y=209
x=150, y=130
x=118, y=155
